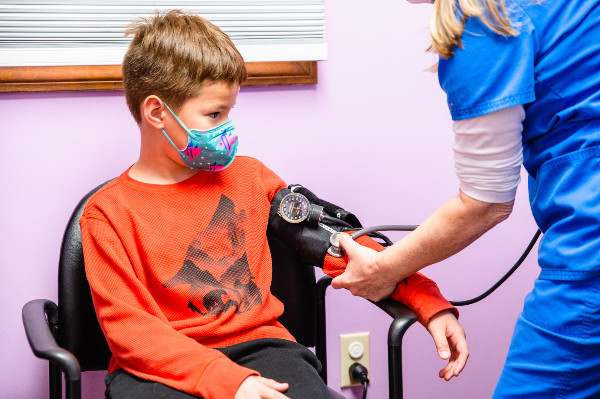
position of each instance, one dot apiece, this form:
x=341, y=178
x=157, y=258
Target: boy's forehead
x=217, y=94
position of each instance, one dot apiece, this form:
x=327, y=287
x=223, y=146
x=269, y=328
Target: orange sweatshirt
x=177, y=270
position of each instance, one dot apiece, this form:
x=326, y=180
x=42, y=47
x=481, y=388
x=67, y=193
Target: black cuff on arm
x=307, y=240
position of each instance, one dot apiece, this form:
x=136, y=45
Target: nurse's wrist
x=384, y=265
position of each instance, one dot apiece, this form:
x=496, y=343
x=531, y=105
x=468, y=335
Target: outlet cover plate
x=346, y=361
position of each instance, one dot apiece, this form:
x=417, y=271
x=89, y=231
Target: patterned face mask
x=211, y=150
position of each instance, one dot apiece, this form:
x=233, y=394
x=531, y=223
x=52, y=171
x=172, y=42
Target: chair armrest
x=403, y=319
x=402, y=315
x=39, y=316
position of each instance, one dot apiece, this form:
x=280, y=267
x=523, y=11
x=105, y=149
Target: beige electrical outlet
x=353, y=348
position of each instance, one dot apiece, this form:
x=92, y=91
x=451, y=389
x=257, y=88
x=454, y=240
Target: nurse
x=522, y=79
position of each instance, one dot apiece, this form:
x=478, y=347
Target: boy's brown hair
x=172, y=55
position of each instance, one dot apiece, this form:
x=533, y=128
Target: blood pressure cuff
x=311, y=242
x=328, y=207
x=307, y=240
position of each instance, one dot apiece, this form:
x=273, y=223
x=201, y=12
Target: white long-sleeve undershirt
x=488, y=154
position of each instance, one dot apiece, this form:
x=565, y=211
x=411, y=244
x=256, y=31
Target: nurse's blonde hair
x=447, y=22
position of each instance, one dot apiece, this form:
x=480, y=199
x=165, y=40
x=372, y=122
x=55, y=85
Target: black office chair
x=69, y=335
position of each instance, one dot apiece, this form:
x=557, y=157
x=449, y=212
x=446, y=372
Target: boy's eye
x=214, y=115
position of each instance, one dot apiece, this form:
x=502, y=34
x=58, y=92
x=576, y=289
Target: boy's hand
x=255, y=387
x=450, y=341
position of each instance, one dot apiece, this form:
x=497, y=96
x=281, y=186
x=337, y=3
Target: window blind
x=90, y=32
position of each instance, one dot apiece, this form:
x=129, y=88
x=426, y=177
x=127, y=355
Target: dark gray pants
x=281, y=360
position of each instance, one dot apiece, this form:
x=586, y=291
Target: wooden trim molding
x=108, y=77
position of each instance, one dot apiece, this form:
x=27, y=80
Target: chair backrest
x=79, y=331
x=78, y=328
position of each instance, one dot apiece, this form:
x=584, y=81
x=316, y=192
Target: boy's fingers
x=461, y=361
x=446, y=372
x=441, y=343
x=455, y=366
x=279, y=386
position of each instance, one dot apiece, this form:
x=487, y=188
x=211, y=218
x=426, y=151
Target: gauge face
x=294, y=208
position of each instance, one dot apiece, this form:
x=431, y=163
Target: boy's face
x=205, y=111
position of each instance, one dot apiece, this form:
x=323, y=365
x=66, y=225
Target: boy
x=175, y=248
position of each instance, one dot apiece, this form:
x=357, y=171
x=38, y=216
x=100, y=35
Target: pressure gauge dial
x=294, y=208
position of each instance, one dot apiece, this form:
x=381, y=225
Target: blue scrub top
x=552, y=68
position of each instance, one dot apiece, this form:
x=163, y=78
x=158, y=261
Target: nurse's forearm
x=454, y=226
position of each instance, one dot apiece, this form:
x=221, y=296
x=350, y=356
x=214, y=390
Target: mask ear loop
x=180, y=123
x=177, y=118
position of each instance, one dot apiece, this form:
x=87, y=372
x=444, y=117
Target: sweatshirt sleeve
x=419, y=293
x=139, y=335
x=271, y=182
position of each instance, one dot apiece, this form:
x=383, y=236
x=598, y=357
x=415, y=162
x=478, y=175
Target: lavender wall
x=373, y=135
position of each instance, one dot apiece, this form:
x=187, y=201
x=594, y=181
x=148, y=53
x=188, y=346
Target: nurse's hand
x=450, y=341
x=363, y=277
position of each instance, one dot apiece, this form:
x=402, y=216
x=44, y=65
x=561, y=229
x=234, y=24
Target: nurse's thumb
x=347, y=243
x=339, y=282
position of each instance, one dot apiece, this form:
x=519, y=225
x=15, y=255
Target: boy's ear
x=153, y=112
